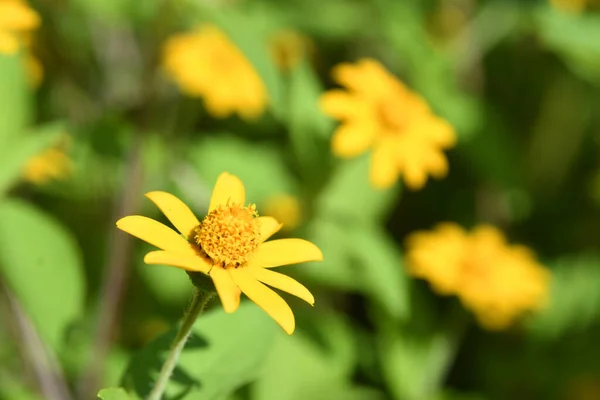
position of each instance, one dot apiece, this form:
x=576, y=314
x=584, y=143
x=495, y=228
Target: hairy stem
x=199, y=301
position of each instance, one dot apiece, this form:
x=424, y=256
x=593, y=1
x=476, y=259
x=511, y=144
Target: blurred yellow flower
x=286, y=209
x=230, y=246
x=378, y=111
x=16, y=21
x=288, y=48
x=51, y=164
x=497, y=281
x=205, y=63
x=572, y=6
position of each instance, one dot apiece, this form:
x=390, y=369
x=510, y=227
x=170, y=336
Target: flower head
x=230, y=245
x=497, y=281
x=205, y=63
x=288, y=48
x=377, y=111
x=16, y=21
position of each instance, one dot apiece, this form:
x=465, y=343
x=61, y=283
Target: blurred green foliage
x=520, y=82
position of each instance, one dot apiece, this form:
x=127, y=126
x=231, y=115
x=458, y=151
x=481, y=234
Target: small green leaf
x=380, y=269
x=414, y=362
x=310, y=129
x=350, y=195
x=574, y=302
x=336, y=269
x=224, y=352
x=14, y=157
x=15, y=99
x=113, y=394
x=227, y=153
x=41, y=263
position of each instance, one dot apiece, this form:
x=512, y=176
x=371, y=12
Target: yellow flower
x=205, y=63
x=230, y=246
x=288, y=48
x=16, y=21
x=572, y=6
x=51, y=164
x=377, y=111
x=497, y=281
x=286, y=209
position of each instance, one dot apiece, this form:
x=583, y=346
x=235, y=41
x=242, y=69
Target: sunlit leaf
x=40, y=261
x=349, y=194
x=380, y=269
x=113, y=394
x=14, y=100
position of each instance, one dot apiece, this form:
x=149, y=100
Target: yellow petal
x=176, y=211
x=268, y=227
x=352, y=139
x=339, y=104
x=186, y=262
x=265, y=298
x=285, y=251
x=282, y=282
x=156, y=234
x=228, y=291
x=228, y=189
x=384, y=171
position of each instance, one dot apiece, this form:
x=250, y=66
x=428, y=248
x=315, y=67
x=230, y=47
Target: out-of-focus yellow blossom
x=497, y=281
x=229, y=245
x=51, y=164
x=286, y=209
x=17, y=20
x=378, y=111
x=573, y=6
x=205, y=63
x=288, y=48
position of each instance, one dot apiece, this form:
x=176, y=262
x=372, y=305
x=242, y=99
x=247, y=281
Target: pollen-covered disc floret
x=229, y=234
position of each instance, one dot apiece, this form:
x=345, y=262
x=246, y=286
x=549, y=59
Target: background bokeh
x=91, y=118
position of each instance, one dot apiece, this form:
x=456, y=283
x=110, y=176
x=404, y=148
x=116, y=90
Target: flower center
x=229, y=234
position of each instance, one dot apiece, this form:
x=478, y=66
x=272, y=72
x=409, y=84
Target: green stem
x=199, y=301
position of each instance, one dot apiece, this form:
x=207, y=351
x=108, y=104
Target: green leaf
x=310, y=129
x=574, y=38
x=251, y=162
x=415, y=363
x=14, y=101
x=224, y=352
x=41, y=263
x=113, y=394
x=336, y=269
x=15, y=156
x=350, y=196
x=574, y=302
x=299, y=368
x=380, y=269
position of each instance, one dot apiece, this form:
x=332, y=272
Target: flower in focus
x=497, y=281
x=51, y=164
x=230, y=245
x=205, y=63
x=286, y=209
x=288, y=48
x=377, y=111
x=17, y=20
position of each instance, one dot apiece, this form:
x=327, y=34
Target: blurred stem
x=199, y=301
x=115, y=281
x=40, y=358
